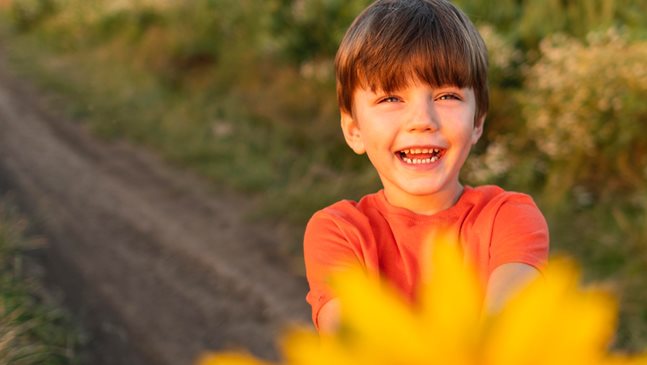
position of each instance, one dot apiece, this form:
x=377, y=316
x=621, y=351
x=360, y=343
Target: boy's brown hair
x=395, y=42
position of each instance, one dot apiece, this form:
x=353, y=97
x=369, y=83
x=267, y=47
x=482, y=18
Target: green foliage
x=27, y=14
x=311, y=30
x=609, y=241
x=530, y=21
x=584, y=106
x=31, y=332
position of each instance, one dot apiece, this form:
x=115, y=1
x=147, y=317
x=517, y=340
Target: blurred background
x=242, y=91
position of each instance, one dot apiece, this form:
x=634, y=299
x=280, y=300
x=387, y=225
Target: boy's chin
x=424, y=189
x=421, y=186
x=424, y=192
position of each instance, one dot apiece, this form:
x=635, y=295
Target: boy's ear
x=352, y=134
x=478, y=129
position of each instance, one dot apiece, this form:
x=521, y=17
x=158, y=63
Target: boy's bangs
x=420, y=56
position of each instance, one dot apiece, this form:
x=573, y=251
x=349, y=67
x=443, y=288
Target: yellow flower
x=552, y=321
x=230, y=358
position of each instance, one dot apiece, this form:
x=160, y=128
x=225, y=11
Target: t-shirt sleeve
x=326, y=248
x=519, y=234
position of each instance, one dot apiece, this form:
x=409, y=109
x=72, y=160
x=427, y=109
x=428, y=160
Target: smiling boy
x=412, y=90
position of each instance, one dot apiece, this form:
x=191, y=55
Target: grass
x=31, y=330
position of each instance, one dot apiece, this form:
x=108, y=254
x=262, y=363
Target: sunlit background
x=242, y=91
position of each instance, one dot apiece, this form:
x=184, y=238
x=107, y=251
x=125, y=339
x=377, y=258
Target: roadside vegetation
x=243, y=92
x=32, y=330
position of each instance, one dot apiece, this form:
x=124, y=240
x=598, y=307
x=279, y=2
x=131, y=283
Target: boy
x=412, y=90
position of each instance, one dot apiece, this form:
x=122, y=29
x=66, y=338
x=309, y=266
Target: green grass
x=31, y=331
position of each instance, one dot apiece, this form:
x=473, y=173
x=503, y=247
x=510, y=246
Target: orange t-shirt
x=493, y=227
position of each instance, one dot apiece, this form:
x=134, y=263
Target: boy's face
x=417, y=138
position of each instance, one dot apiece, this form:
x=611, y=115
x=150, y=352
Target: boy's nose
x=423, y=118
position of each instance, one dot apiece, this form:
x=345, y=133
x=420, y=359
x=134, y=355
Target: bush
x=29, y=13
x=530, y=21
x=584, y=105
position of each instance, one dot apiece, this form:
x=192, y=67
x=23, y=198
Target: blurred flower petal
x=375, y=315
x=229, y=358
x=451, y=300
x=552, y=321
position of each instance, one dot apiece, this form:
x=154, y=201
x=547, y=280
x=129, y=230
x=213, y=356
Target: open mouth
x=417, y=156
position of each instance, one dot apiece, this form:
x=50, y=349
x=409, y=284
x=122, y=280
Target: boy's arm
x=329, y=316
x=505, y=281
x=518, y=249
x=326, y=249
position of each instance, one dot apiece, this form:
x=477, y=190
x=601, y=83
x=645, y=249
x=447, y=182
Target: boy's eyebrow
x=378, y=90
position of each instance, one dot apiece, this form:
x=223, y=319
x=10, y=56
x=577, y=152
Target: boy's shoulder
x=350, y=209
x=498, y=211
x=493, y=195
x=484, y=203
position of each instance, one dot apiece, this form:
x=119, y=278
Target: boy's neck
x=425, y=204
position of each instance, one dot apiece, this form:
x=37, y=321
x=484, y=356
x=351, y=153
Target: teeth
x=418, y=161
x=420, y=150
x=416, y=151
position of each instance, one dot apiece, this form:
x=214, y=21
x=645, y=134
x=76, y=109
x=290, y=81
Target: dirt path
x=157, y=265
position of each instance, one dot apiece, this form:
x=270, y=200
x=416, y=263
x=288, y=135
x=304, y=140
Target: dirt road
x=157, y=264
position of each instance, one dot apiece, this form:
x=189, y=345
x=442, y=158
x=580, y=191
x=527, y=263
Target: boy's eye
x=389, y=99
x=449, y=97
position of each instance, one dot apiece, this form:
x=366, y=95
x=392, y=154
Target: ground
x=157, y=264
